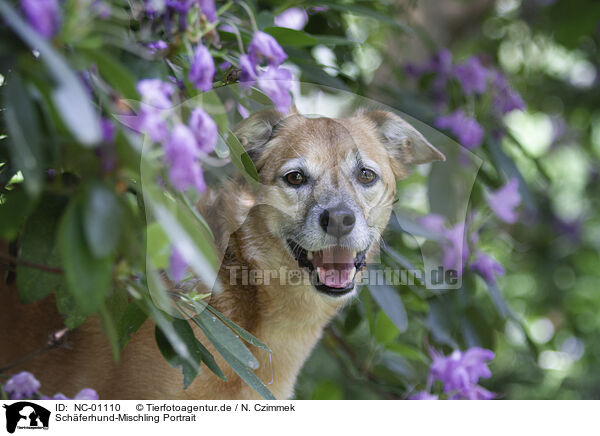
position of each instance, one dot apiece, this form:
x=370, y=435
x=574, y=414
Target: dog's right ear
x=256, y=130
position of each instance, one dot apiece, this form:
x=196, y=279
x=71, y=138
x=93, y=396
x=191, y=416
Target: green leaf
x=14, y=209
x=38, y=245
x=110, y=330
x=334, y=40
x=112, y=71
x=23, y=129
x=130, y=322
x=440, y=322
x=67, y=307
x=510, y=169
x=88, y=278
x=248, y=337
x=240, y=367
x=164, y=322
x=70, y=95
x=327, y=390
x=291, y=37
x=240, y=158
x=217, y=332
x=210, y=361
x=158, y=246
x=398, y=364
x=212, y=104
x=189, y=368
x=391, y=303
x=385, y=330
x=366, y=12
x=501, y=306
x=408, y=351
x=102, y=216
x=192, y=240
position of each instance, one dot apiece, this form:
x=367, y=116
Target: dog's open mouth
x=332, y=269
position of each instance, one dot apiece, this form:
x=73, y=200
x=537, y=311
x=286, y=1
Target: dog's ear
x=256, y=130
x=404, y=143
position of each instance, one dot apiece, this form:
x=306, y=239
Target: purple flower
x=43, y=16
x=155, y=7
x=264, y=47
x=504, y=201
x=466, y=129
x=21, y=386
x=202, y=70
x=151, y=122
x=423, y=395
x=60, y=396
x=509, y=101
x=209, y=9
x=108, y=130
x=292, y=18
x=248, y=74
x=456, y=250
x=243, y=111
x=106, y=151
x=156, y=93
x=224, y=65
x=441, y=62
x=505, y=99
x=181, y=153
x=204, y=129
x=102, y=9
x=434, y=222
x=177, y=265
x=414, y=70
x=86, y=394
x=472, y=76
x=82, y=395
x=487, y=266
x=155, y=46
x=460, y=371
x=475, y=392
x=276, y=83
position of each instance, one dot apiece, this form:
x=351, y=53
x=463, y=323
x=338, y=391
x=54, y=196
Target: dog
x=325, y=197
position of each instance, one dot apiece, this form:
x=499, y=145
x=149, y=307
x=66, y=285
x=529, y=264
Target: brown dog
x=327, y=187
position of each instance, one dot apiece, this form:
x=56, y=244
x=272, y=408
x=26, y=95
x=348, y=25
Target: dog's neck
x=287, y=318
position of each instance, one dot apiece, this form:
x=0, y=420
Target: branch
x=56, y=340
x=41, y=267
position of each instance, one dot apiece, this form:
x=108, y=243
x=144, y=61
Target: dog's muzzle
x=332, y=269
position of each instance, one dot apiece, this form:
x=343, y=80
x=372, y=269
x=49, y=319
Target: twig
x=362, y=369
x=41, y=267
x=56, y=340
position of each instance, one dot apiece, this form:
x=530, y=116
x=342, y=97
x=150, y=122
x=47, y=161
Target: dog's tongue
x=335, y=266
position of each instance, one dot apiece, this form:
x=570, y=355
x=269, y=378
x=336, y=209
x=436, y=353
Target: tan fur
x=289, y=319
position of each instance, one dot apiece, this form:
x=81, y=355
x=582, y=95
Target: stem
x=238, y=36
x=250, y=15
x=41, y=267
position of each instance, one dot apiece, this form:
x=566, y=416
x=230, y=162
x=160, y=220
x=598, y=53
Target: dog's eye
x=295, y=178
x=366, y=177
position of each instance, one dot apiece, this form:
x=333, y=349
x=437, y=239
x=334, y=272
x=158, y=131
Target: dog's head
x=332, y=183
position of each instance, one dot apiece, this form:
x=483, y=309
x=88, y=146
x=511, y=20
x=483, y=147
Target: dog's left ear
x=256, y=130
x=404, y=143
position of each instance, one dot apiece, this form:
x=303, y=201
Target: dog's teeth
x=318, y=271
x=353, y=254
x=309, y=255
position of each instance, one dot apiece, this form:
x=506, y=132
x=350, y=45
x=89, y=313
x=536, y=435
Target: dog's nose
x=337, y=221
